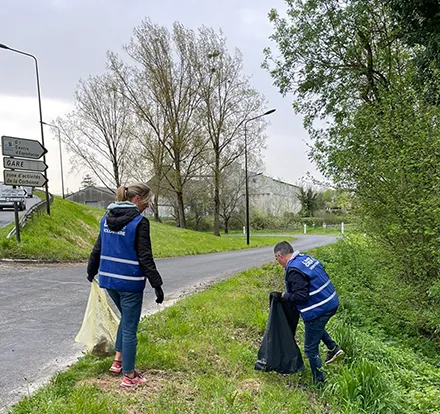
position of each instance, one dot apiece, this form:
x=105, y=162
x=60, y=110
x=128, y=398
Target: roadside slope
x=69, y=232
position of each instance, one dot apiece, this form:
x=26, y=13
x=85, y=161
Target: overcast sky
x=70, y=39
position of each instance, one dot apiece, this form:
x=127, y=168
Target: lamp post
x=61, y=155
x=246, y=172
x=2, y=46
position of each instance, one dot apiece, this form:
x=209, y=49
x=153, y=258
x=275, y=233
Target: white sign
x=20, y=147
x=19, y=164
x=10, y=199
x=29, y=179
x=8, y=192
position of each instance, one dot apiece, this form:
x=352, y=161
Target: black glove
x=159, y=294
x=276, y=296
x=90, y=278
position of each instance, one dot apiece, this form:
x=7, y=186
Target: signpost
x=12, y=194
x=28, y=179
x=22, y=171
x=20, y=147
x=21, y=164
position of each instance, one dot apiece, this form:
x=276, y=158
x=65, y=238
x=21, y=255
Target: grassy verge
x=71, y=229
x=198, y=355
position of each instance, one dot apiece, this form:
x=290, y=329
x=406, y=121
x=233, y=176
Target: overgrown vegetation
x=70, y=231
x=370, y=72
x=199, y=355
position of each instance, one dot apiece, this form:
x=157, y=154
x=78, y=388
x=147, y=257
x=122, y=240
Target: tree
x=228, y=100
x=163, y=90
x=419, y=27
x=148, y=158
x=198, y=199
x=88, y=181
x=347, y=67
x=309, y=200
x=232, y=187
x=98, y=131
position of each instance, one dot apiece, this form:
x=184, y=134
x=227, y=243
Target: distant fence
x=38, y=209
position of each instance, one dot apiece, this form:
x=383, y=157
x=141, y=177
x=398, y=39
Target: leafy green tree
x=374, y=134
x=418, y=25
x=309, y=200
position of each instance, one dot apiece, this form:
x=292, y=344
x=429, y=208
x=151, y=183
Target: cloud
x=255, y=23
x=70, y=39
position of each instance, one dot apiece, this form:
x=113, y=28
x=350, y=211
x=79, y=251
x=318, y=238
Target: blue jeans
x=130, y=306
x=314, y=333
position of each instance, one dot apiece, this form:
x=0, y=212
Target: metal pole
x=17, y=221
x=247, y=186
x=61, y=162
x=248, y=226
x=41, y=114
x=42, y=134
x=61, y=155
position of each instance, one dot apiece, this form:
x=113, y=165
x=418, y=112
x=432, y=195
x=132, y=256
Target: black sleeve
x=145, y=253
x=298, y=284
x=94, y=258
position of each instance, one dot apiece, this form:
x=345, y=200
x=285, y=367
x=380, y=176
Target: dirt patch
x=250, y=386
x=157, y=380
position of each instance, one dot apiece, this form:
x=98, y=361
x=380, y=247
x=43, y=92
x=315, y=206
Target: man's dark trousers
x=314, y=333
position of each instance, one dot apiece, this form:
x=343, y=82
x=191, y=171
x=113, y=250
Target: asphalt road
x=41, y=308
x=7, y=216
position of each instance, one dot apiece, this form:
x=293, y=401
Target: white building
x=273, y=196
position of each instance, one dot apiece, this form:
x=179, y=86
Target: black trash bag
x=279, y=351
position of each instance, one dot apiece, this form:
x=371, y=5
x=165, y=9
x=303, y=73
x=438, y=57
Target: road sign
x=19, y=164
x=20, y=147
x=8, y=192
x=30, y=179
x=10, y=199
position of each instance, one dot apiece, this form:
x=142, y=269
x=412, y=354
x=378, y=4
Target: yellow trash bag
x=100, y=324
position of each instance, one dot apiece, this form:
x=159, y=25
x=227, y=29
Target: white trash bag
x=100, y=324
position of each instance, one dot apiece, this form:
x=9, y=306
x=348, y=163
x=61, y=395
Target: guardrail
x=35, y=209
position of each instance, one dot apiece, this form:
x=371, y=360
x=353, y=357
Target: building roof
x=100, y=189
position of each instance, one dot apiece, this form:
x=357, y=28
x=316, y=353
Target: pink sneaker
x=116, y=367
x=128, y=382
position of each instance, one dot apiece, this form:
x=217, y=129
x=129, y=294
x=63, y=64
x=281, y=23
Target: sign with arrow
x=29, y=179
x=20, y=164
x=21, y=147
x=11, y=192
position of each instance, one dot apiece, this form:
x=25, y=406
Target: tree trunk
x=217, y=196
x=156, y=209
x=180, y=210
x=226, y=225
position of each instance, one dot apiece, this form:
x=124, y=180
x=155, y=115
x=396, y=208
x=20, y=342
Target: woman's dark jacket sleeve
x=93, y=265
x=145, y=254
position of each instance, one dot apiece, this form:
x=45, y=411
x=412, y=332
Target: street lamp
x=2, y=46
x=61, y=154
x=246, y=172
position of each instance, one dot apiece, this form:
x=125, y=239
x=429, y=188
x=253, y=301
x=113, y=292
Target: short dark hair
x=284, y=248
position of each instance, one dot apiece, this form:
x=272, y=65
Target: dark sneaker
x=334, y=355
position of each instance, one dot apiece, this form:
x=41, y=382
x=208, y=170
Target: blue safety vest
x=322, y=294
x=119, y=266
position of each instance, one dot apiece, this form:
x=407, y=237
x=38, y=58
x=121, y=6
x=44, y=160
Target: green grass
x=202, y=352
x=69, y=232
x=198, y=356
